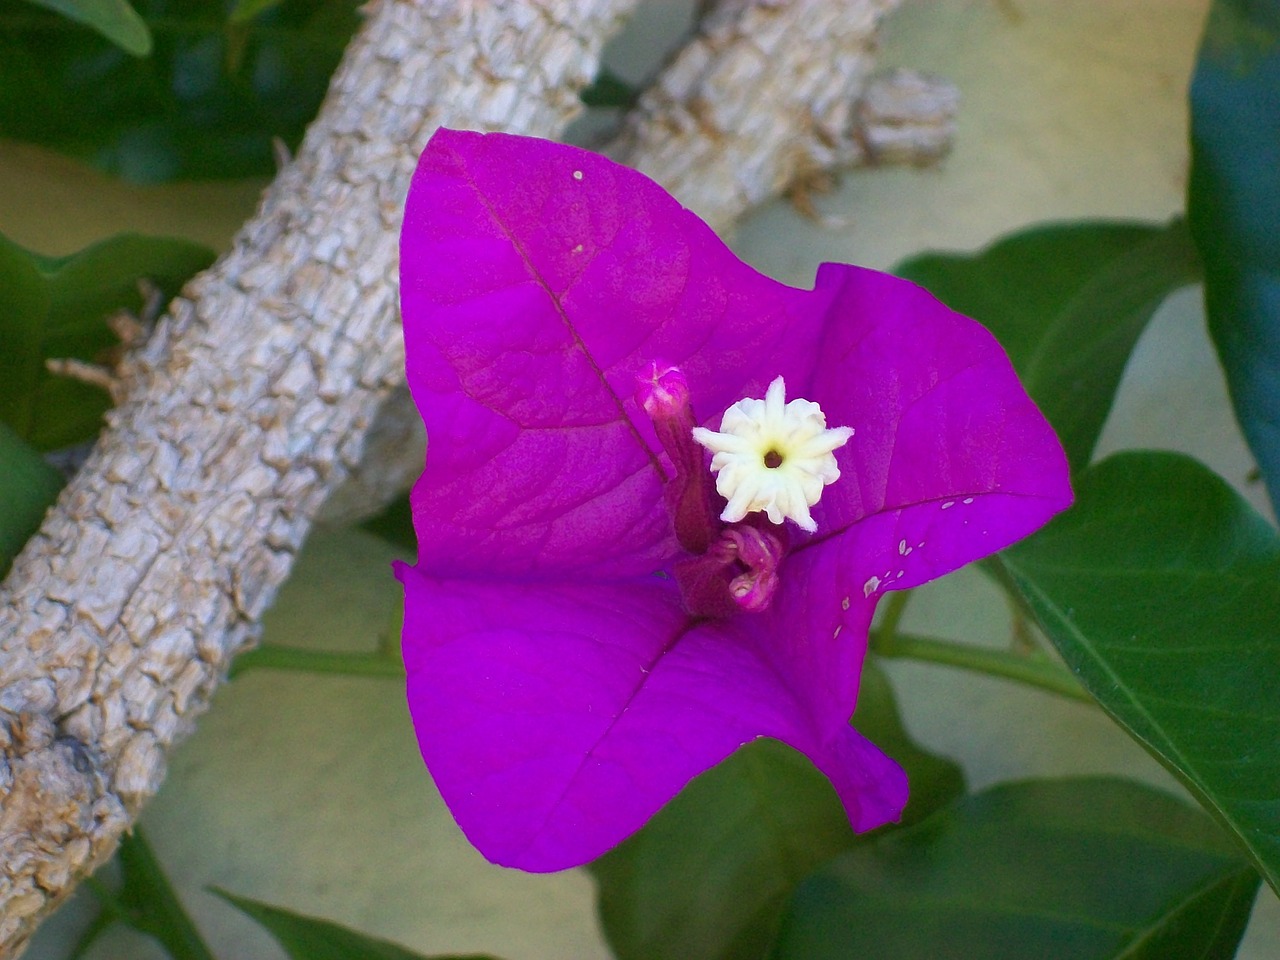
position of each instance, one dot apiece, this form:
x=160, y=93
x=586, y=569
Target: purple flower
x=590, y=625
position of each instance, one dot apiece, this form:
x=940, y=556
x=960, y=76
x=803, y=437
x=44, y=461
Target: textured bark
x=903, y=117
x=766, y=95
x=244, y=410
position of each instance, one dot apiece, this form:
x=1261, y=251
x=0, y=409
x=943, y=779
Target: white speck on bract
x=870, y=586
x=577, y=174
x=903, y=548
x=844, y=604
x=968, y=499
x=578, y=248
x=948, y=505
x=836, y=635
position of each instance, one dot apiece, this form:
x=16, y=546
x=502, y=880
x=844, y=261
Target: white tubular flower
x=773, y=456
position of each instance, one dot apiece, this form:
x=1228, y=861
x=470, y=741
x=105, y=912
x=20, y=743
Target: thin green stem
x=894, y=608
x=107, y=899
x=342, y=662
x=1020, y=637
x=1034, y=668
x=389, y=639
x=1021, y=620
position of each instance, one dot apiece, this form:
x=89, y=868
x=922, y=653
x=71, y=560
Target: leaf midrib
x=1171, y=757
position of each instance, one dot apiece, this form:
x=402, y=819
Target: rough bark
x=765, y=94
x=904, y=117
x=245, y=409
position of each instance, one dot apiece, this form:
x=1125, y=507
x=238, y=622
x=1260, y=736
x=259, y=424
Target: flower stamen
x=773, y=456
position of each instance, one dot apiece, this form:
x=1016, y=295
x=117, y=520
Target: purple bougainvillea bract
x=562, y=683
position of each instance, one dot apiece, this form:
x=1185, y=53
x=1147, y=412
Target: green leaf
x=114, y=19
x=395, y=525
x=57, y=308
x=246, y=10
x=1161, y=590
x=1234, y=206
x=99, y=925
x=1068, y=302
x=310, y=938
x=28, y=486
x=1081, y=869
x=609, y=90
x=150, y=904
x=707, y=877
x=207, y=103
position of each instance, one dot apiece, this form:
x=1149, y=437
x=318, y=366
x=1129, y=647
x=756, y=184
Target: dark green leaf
x=1234, y=206
x=207, y=103
x=395, y=525
x=246, y=10
x=1161, y=590
x=310, y=938
x=707, y=877
x=57, y=308
x=96, y=928
x=1081, y=869
x=609, y=90
x=114, y=19
x=23, y=318
x=150, y=903
x=28, y=486
x=1068, y=302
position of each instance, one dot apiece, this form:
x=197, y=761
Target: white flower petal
x=773, y=456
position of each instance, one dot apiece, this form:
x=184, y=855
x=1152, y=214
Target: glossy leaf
x=1068, y=302
x=1234, y=205
x=706, y=879
x=207, y=103
x=1082, y=869
x=1161, y=590
x=310, y=938
x=57, y=308
x=28, y=486
x=114, y=19
x=147, y=901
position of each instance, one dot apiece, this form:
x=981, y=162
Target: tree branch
x=245, y=409
x=765, y=94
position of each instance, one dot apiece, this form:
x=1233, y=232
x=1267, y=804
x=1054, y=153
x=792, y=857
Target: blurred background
x=307, y=792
